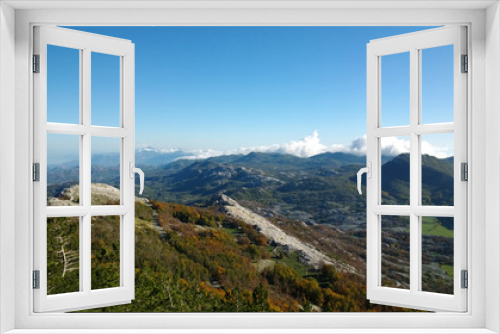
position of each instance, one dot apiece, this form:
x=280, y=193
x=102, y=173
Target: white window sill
x=252, y=331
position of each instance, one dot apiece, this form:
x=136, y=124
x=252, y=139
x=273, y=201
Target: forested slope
x=193, y=259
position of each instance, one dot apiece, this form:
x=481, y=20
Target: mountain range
x=319, y=189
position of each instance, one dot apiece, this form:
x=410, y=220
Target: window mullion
x=414, y=170
x=85, y=161
x=86, y=138
x=85, y=247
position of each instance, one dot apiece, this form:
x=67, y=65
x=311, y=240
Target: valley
x=268, y=224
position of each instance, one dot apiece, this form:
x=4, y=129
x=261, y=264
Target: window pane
x=105, y=252
x=63, y=255
x=395, y=89
x=437, y=169
x=105, y=171
x=395, y=159
x=437, y=84
x=63, y=85
x=395, y=251
x=63, y=170
x=437, y=254
x=105, y=90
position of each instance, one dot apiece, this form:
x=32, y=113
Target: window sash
x=414, y=297
x=87, y=43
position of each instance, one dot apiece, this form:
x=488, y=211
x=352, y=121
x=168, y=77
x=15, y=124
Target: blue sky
x=223, y=88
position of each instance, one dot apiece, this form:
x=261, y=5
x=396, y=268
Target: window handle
x=368, y=171
x=139, y=171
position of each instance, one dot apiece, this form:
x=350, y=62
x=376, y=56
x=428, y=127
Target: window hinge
x=36, y=63
x=36, y=172
x=465, y=64
x=464, y=170
x=36, y=279
x=464, y=279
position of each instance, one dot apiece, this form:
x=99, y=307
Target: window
x=483, y=269
x=421, y=205
x=65, y=116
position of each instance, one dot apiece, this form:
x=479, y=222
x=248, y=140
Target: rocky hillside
x=276, y=236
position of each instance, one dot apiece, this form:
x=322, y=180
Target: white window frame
x=482, y=19
x=86, y=44
x=414, y=43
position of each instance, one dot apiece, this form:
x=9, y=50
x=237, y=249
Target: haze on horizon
x=306, y=147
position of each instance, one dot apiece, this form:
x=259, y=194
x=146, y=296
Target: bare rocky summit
x=274, y=234
x=101, y=194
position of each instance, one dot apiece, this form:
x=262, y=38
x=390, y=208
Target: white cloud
x=439, y=151
x=312, y=145
x=395, y=146
x=304, y=148
x=358, y=146
x=308, y=147
x=390, y=146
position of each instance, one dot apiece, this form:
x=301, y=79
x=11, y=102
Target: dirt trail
x=156, y=222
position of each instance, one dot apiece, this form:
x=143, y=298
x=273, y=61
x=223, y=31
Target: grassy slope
x=432, y=226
